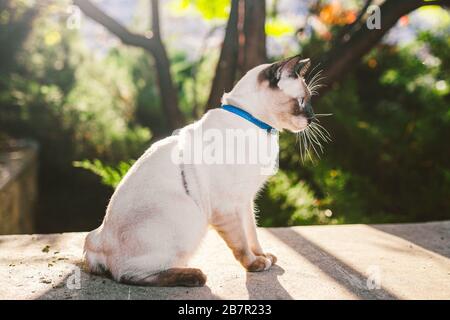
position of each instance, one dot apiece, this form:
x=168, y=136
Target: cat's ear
x=295, y=67
x=291, y=67
x=302, y=67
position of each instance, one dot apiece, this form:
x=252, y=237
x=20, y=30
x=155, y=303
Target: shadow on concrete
x=433, y=236
x=346, y=276
x=266, y=286
x=93, y=287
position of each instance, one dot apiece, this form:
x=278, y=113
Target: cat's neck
x=248, y=103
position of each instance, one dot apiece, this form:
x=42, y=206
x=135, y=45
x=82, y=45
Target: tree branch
x=120, y=31
x=342, y=57
x=255, y=34
x=445, y=3
x=154, y=45
x=349, y=27
x=155, y=19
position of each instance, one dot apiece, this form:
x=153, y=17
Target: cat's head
x=276, y=93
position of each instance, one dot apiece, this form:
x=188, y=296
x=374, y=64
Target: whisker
x=316, y=83
x=310, y=157
x=311, y=139
x=315, y=91
x=316, y=86
x=307, y=145
x=312, y=71
x=311, y=143
x=300, y=146
x=320, y=115
x=324, y=131
x=317, y=130
x=316, y=140
x=312, y=76
x=320, y=133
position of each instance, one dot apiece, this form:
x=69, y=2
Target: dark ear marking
x=272, y=74
x=294, y=66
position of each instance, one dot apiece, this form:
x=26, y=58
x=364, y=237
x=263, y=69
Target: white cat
x=161, y=210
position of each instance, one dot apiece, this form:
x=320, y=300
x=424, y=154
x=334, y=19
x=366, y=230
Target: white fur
x=291, y=86
x=153, y=224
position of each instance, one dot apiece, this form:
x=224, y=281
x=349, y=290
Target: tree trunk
x=226, y=67
x=255, y=34
x=168, y=92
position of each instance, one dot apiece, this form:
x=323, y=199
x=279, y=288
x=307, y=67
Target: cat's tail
x=174, y=277
x=94, y=259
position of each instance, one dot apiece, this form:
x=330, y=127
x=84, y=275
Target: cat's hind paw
x=260, y=264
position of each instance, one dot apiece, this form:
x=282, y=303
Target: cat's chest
x=236, y=182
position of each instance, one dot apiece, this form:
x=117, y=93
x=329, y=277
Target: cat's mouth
x=303, y=124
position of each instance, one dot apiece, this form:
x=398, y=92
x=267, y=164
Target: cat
x=164, y=205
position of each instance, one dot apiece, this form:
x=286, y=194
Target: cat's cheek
x=298, y=124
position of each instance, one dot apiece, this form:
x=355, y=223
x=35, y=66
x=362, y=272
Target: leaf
x=278, y=28
x=218, y=9
x=110, y=175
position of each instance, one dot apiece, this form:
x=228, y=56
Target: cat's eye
x=302, y=102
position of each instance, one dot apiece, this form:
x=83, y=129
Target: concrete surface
x=409, y=261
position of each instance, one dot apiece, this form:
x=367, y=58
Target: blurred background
x=87, y=86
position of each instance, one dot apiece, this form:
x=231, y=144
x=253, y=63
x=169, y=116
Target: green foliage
x=77, y=106
x=59, y=93
x=293, y=201
x=276, y=27
x=110, y=175
x=388, y=161
x=193, y=79
x=218, y=9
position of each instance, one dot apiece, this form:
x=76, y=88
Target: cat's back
x=153, y=173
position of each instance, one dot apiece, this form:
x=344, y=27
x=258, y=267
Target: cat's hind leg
x=153, y=250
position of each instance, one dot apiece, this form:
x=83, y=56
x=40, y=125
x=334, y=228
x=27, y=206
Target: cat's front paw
x=271, y=257
x=261, y=263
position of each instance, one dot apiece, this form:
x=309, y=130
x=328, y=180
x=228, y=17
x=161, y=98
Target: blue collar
x=247, y=116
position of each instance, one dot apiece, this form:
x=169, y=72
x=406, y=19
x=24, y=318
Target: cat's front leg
x=252, y=236
x=231, y=228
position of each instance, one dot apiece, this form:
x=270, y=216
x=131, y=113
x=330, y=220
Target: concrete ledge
x=409, y=261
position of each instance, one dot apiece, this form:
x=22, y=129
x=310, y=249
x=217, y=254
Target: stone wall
x=18, y=187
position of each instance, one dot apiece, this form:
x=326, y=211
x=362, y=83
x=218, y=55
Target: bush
x=388, y=161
